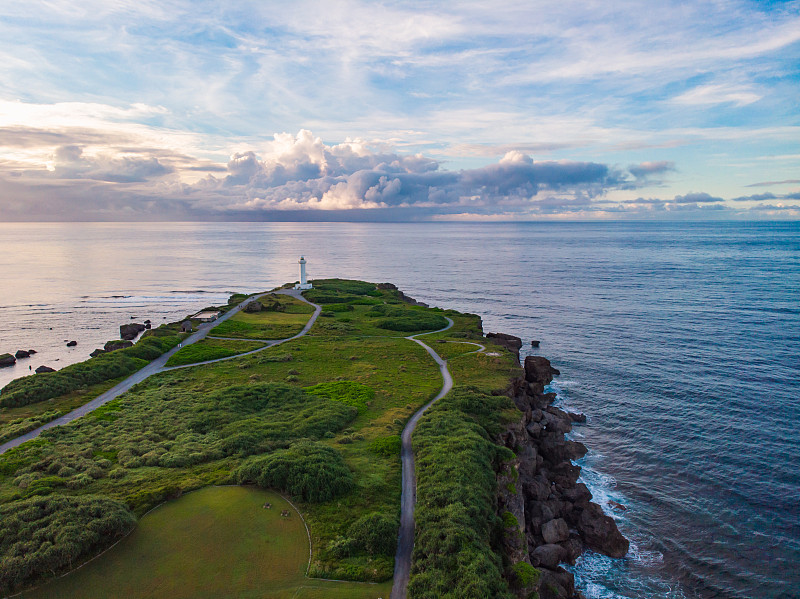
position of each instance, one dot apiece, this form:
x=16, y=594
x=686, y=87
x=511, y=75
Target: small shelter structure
x=186, y=326
x=207, y=316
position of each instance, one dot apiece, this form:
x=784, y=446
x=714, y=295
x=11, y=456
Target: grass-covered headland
x=317, y=418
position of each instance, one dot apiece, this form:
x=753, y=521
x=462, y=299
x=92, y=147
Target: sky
x=399, y=111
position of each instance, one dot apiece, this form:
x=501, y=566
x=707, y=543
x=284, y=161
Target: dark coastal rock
x=148, y=326
x=72, y=343
x=572, y=549
x=510, y=342
x=97, y=352
x=555, y=531
x=253, y=307
x=42, y=369
x=21, y=353
x=7, y=360
x=548, y=556
x=130, y=331
x=538, y=370
x=556, y=583
x=580, y=418
x=31, y=351
x=600, y=532
x=117, y=344
x=534, y=343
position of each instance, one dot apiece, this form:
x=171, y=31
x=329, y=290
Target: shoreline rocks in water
x=7, y=360
x=21, y=353
x=42, y=369
x=129, y=332
x=540, y=488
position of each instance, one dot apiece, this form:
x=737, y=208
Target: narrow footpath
x=408, y=498
x=159, y=365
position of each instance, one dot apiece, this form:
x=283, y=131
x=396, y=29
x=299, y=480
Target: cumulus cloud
x=696, y=198
x=649, y=169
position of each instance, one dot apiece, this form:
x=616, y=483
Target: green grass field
x=267, y=324
x=216, y=542
x=211, y=349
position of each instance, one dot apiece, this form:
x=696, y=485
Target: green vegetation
x=215, y=542
x=407, y=319
x=454, y=554
x=319, y=417
x=53, y=534
x=288, y=318
x=15, y=428
x=123, y=362
x=211, y=349
x=525, y=574
x=349, y=393
x=307, y=470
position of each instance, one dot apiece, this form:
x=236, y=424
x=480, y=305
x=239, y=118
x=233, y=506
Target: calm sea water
x=679, y=341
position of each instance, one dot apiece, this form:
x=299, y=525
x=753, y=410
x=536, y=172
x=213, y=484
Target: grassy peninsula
x=316, y=418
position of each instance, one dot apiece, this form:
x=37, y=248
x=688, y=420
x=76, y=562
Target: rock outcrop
x=557, y=518
x=21, y=353
x=115, y=345
x=130, y=331
x=254, y=306
x=42, y=369
x=7, y=360
x=510, y=342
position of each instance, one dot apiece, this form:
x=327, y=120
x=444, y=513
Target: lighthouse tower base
x=303, y=286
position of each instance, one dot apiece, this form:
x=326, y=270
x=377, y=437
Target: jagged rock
x=577, y=417
x=510, y=342
x=42, y=369
x=600, y=533
x=118, y=344
x=572, y=549
x=578, y=494
x=148, y=326
x=31, y=351
x=252, y=307
x=539, y=370
x=72, y=343
x=7, y=360
x=548, y=556
x=556, y=584
x=555, y=531
x=130, y=331
x=21, y=353
x=97, y=352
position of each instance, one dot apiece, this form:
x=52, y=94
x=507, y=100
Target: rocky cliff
x=555, y=517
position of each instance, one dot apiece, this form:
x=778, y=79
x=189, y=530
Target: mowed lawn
x=215, y=542
x=267, y=324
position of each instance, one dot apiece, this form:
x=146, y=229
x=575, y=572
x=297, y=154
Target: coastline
x=556, y=519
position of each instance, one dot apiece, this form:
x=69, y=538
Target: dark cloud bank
x=300, y=178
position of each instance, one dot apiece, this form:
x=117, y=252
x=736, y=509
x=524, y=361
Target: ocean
x=679, y=341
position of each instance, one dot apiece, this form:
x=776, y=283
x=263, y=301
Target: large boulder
x=600, y=533
x=118, y=344
x=510, y=342
x=7, y=360
x=254, y=306
x=548, y=556
x=556, y=584
x=538, y=370
x=42, y=369
x=72, y=343
x=21, y=353
x=555, y=531
x=130, y=331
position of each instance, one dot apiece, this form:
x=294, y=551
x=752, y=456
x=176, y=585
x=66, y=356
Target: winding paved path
x=408, y=499
x=159, y=365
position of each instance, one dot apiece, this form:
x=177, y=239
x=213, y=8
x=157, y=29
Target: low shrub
x=44, y=536
x=386, y=446
x=349, y=393
x=307, y=470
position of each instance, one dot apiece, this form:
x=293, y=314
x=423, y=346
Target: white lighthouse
x=303, y=283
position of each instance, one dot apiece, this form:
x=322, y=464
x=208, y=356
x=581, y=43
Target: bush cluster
x=405, y=319
x=53, y=534
x=454, y=551
x=124, y=362
x=307, y=470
